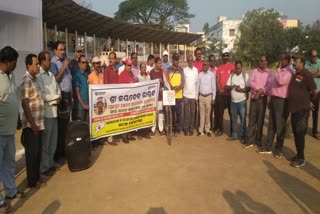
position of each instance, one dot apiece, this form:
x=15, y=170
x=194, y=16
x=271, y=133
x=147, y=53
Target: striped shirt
x=30, y=90
x=65, y=82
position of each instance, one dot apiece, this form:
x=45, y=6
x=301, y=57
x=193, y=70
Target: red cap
x=128, y=61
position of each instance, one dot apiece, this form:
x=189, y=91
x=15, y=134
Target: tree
x=261, y=33
x=163, y=14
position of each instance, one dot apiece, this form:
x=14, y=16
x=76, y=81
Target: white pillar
x=94, y=44
x=76, y=39
x=67, y=41
x=45, y=36
x=55, y=33
x=85, y=44
x=118, y=45
x=144, y=51
x=135, y=46
x=151, y=44
x=127, y=51
x=185, y=53
x=160, y=52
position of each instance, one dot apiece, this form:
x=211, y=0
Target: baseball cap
x=165, y=53
x=79, y=48
x=95, y=59
x=175, y=56
x=128, y=61
x=225, y=50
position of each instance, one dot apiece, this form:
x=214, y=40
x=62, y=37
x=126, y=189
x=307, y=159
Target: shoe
x=298, y=163
x=316, y=136
x=200, y=134
x=232, y=138
x=125, y=140
x=219, y=133
x=208, y=134
x=190, y=133
x=152, y=134
x=162, y=134
x=247, y=145
x=292, y=159
x=53, y=168
x=185, y=133
x=49, y=173
x=5, y=208
x=262, y=150
x=38, y=185
x=19, y=194
x=277, y=154
x=131, y=138
x=113, y=143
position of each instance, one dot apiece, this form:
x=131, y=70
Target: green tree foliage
x=261, y=33
x=162, y=13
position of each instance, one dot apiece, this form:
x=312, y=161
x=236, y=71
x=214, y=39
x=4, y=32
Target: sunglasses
x=315, y=56
x=225, y=55
x=84, y=62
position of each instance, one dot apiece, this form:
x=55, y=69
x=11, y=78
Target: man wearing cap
x=176, y=81
x=96, y=77
x=198, y=63
x=313, y=65
x=127, y=77
x=302, y=89
x=165, y=60
x=81, y=91
x=223, y=98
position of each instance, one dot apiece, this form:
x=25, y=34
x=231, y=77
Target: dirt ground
x=193, y=175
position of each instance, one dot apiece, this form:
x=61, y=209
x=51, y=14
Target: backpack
x=245, y=82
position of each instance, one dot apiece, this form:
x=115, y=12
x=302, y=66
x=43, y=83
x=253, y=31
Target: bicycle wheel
x=169, y=124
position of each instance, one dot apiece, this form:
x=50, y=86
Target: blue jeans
x=49, y=140
x=8, y=164
x=241, y=110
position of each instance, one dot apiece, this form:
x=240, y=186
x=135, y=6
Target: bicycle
x=168, y=101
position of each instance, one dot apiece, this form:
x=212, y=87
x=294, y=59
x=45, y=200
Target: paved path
x=194, y=175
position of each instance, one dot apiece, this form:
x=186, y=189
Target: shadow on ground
x=304, y=195
x=241, y=202
x=156, y=210
x=308, y=168
x=52, y=207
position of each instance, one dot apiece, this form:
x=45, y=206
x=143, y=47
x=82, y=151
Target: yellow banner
x=121, y=108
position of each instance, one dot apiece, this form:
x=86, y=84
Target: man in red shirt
x=127, y=76
x=198, y=63
x=110, y=75
x=223, y=98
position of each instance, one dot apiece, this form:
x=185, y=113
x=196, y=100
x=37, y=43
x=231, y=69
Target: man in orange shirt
x=96, y=77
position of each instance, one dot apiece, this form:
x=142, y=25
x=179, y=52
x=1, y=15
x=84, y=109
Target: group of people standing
x=55, y=89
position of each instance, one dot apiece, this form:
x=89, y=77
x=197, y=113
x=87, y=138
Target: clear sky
x=306, y=11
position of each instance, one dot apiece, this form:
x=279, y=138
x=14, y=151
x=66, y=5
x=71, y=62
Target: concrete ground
x=193, y=175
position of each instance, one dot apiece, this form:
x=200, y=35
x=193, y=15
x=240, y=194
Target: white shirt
x=238, y=80
x=141, y=78
x=50, y=91
x=190, y=82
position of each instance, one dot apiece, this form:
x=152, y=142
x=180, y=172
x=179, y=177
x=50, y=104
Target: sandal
x=5, y=208
x=19, y=194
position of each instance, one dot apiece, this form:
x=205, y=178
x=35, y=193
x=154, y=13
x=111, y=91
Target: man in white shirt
x=51, y=94
x=189, y=96
x=238, y=84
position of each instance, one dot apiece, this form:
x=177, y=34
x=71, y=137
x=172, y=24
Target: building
x=227, y=31
x=289, y=23
x=21, y=28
